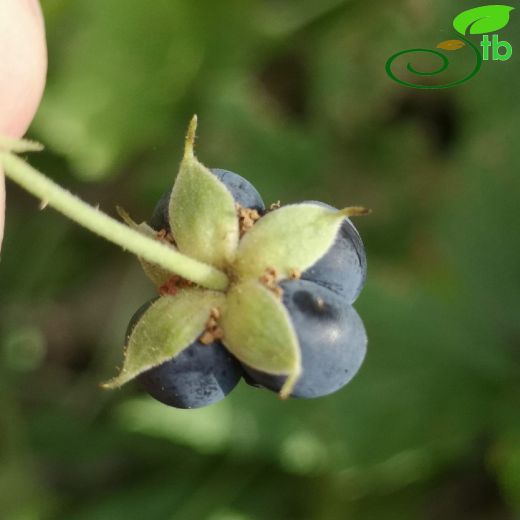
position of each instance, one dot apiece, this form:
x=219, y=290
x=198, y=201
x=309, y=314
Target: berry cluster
x=284, y=322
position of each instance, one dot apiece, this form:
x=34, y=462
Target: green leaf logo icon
x=482, y=20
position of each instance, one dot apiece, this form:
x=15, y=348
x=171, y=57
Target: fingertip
x=24, y=63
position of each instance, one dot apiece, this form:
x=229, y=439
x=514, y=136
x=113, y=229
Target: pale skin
x=23, y=68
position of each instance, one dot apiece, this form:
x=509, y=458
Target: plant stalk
x=105, y=226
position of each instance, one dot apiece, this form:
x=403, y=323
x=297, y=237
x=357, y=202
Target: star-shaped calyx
x=245, y=306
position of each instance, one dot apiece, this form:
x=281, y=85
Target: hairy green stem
x=112, y=230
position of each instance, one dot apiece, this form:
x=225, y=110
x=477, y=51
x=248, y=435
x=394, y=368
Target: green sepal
x=258, y=331
x=155, y=273
x=158, y=275
x=289, y=240
x=202, y=212
x=168, y=326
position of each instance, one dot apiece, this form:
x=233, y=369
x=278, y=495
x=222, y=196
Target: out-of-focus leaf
x=506, y=463
x=208, y=430
x=114, y=85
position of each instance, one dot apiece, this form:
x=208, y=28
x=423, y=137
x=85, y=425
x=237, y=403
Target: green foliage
x=294, y=97
x=119, y=74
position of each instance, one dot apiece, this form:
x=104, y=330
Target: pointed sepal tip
x=189, y=143
x=355, y=211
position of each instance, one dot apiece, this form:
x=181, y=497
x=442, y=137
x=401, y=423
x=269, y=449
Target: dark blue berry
x=332, y=340
x=200, y=375
x=160, y=219
x=241, y=189
x=343, y=268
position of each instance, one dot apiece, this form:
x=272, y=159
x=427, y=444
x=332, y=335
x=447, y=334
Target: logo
x=478, y=21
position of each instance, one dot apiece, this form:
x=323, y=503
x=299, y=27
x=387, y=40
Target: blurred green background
x=293, y=96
